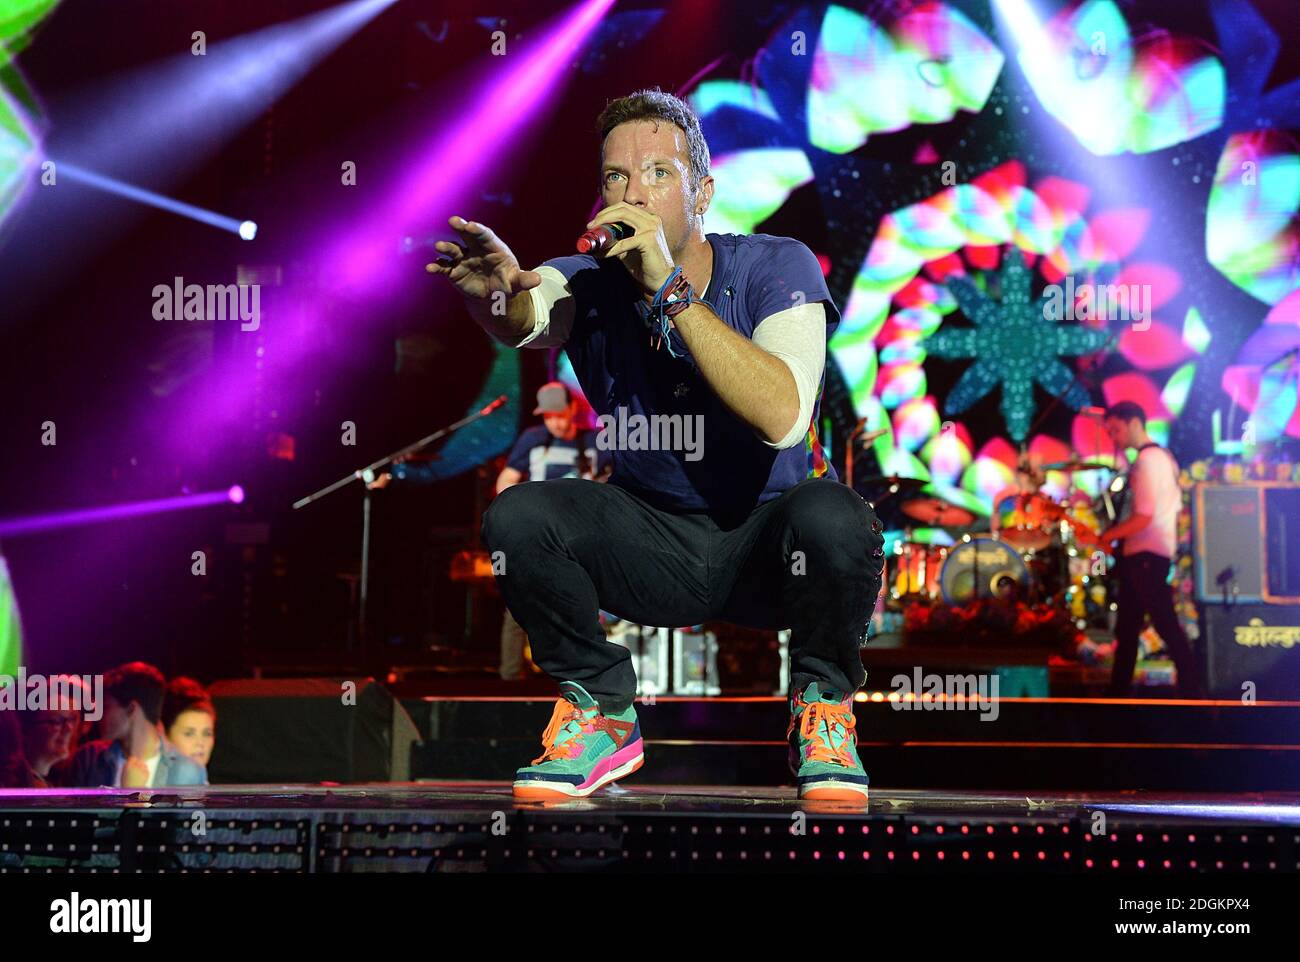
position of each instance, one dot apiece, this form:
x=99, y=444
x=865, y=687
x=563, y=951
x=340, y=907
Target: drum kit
x=1036, y=549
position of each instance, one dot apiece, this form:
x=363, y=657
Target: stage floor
x=479, y=827
x=477, y=797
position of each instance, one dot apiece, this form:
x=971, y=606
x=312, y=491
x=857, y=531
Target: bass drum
x=977, y=569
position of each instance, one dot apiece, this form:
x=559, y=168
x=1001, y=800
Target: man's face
x=558, y=424
x=646, y=163
x=1121, y=432
x=116, y=722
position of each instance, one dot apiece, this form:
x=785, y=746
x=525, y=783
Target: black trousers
x=809, y=561
x=1144, y=590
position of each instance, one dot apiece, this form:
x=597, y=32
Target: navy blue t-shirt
x=541, y=456
x=610, y=346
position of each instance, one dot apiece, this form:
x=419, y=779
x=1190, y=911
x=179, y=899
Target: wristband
x=672, y=298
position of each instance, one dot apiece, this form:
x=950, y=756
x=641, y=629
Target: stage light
x=1025, y=26
x=171, y=116
x=130, y=191
x=461, y=153
x=236, y=494
x=463, y=149
x=158, y=124
x=115, y=512
x=248, y=230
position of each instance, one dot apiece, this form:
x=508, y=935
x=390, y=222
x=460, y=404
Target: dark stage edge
x=479, y=827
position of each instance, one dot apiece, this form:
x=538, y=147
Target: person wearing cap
x=557, y=448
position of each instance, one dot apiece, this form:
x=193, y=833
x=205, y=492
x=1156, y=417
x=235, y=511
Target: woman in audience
x=188, y=719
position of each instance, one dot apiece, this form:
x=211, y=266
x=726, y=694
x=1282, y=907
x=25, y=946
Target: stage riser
x=767, y=720
x=1025, y=745
x=974, y=767
x=530, y=841
x=1045, y=745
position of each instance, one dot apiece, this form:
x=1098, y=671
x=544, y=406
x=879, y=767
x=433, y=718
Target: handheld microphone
x=604, y=236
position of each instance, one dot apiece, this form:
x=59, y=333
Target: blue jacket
x=100, y=763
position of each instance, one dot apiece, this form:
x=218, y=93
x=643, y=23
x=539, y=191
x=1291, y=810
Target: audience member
x=188, y=719
x=133, y=753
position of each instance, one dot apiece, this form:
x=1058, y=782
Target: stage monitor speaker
x=1282, y=545
x=309, y=730
x=1228, y=556
x=1245, y=542
x=1252, y=643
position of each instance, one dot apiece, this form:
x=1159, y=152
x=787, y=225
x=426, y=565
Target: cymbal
x=1078, y=466
x=937, y=512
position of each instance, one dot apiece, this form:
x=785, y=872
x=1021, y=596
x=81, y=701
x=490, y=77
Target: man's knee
x=833, y=519
x=512, y=513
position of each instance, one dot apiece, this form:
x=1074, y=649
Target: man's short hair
x=140, y=683
x=654, y=104
x=1126, y=411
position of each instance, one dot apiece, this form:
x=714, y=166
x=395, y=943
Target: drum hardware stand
x=848, y=450
x=366, y=475
x=783, y=649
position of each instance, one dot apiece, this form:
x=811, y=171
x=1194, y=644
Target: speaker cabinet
x=1247, y=543
x=1252, y=643
x=309, y=730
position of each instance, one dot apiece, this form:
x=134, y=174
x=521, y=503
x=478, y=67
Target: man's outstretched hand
x=480, y=263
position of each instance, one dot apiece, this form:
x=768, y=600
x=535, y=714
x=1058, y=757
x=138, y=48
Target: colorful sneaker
x=583, y=749
x=823, y=746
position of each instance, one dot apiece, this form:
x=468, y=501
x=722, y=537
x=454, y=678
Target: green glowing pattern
x=1014, y=344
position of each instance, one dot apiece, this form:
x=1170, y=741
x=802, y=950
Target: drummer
x=1012, y=500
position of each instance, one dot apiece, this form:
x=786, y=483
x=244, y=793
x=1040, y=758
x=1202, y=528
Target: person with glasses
x=50, y=736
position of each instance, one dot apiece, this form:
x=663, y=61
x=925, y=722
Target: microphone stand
x=367, y=475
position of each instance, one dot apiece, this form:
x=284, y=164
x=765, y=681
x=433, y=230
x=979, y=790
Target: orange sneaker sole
x=542, y=793
x=832, y=793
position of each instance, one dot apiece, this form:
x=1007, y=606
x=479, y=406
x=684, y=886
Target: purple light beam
x=114, y=512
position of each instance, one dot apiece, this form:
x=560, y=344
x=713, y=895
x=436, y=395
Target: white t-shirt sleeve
x=553, y=313
x=798, y=337
x=1156, y=494
x=1145, y=484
